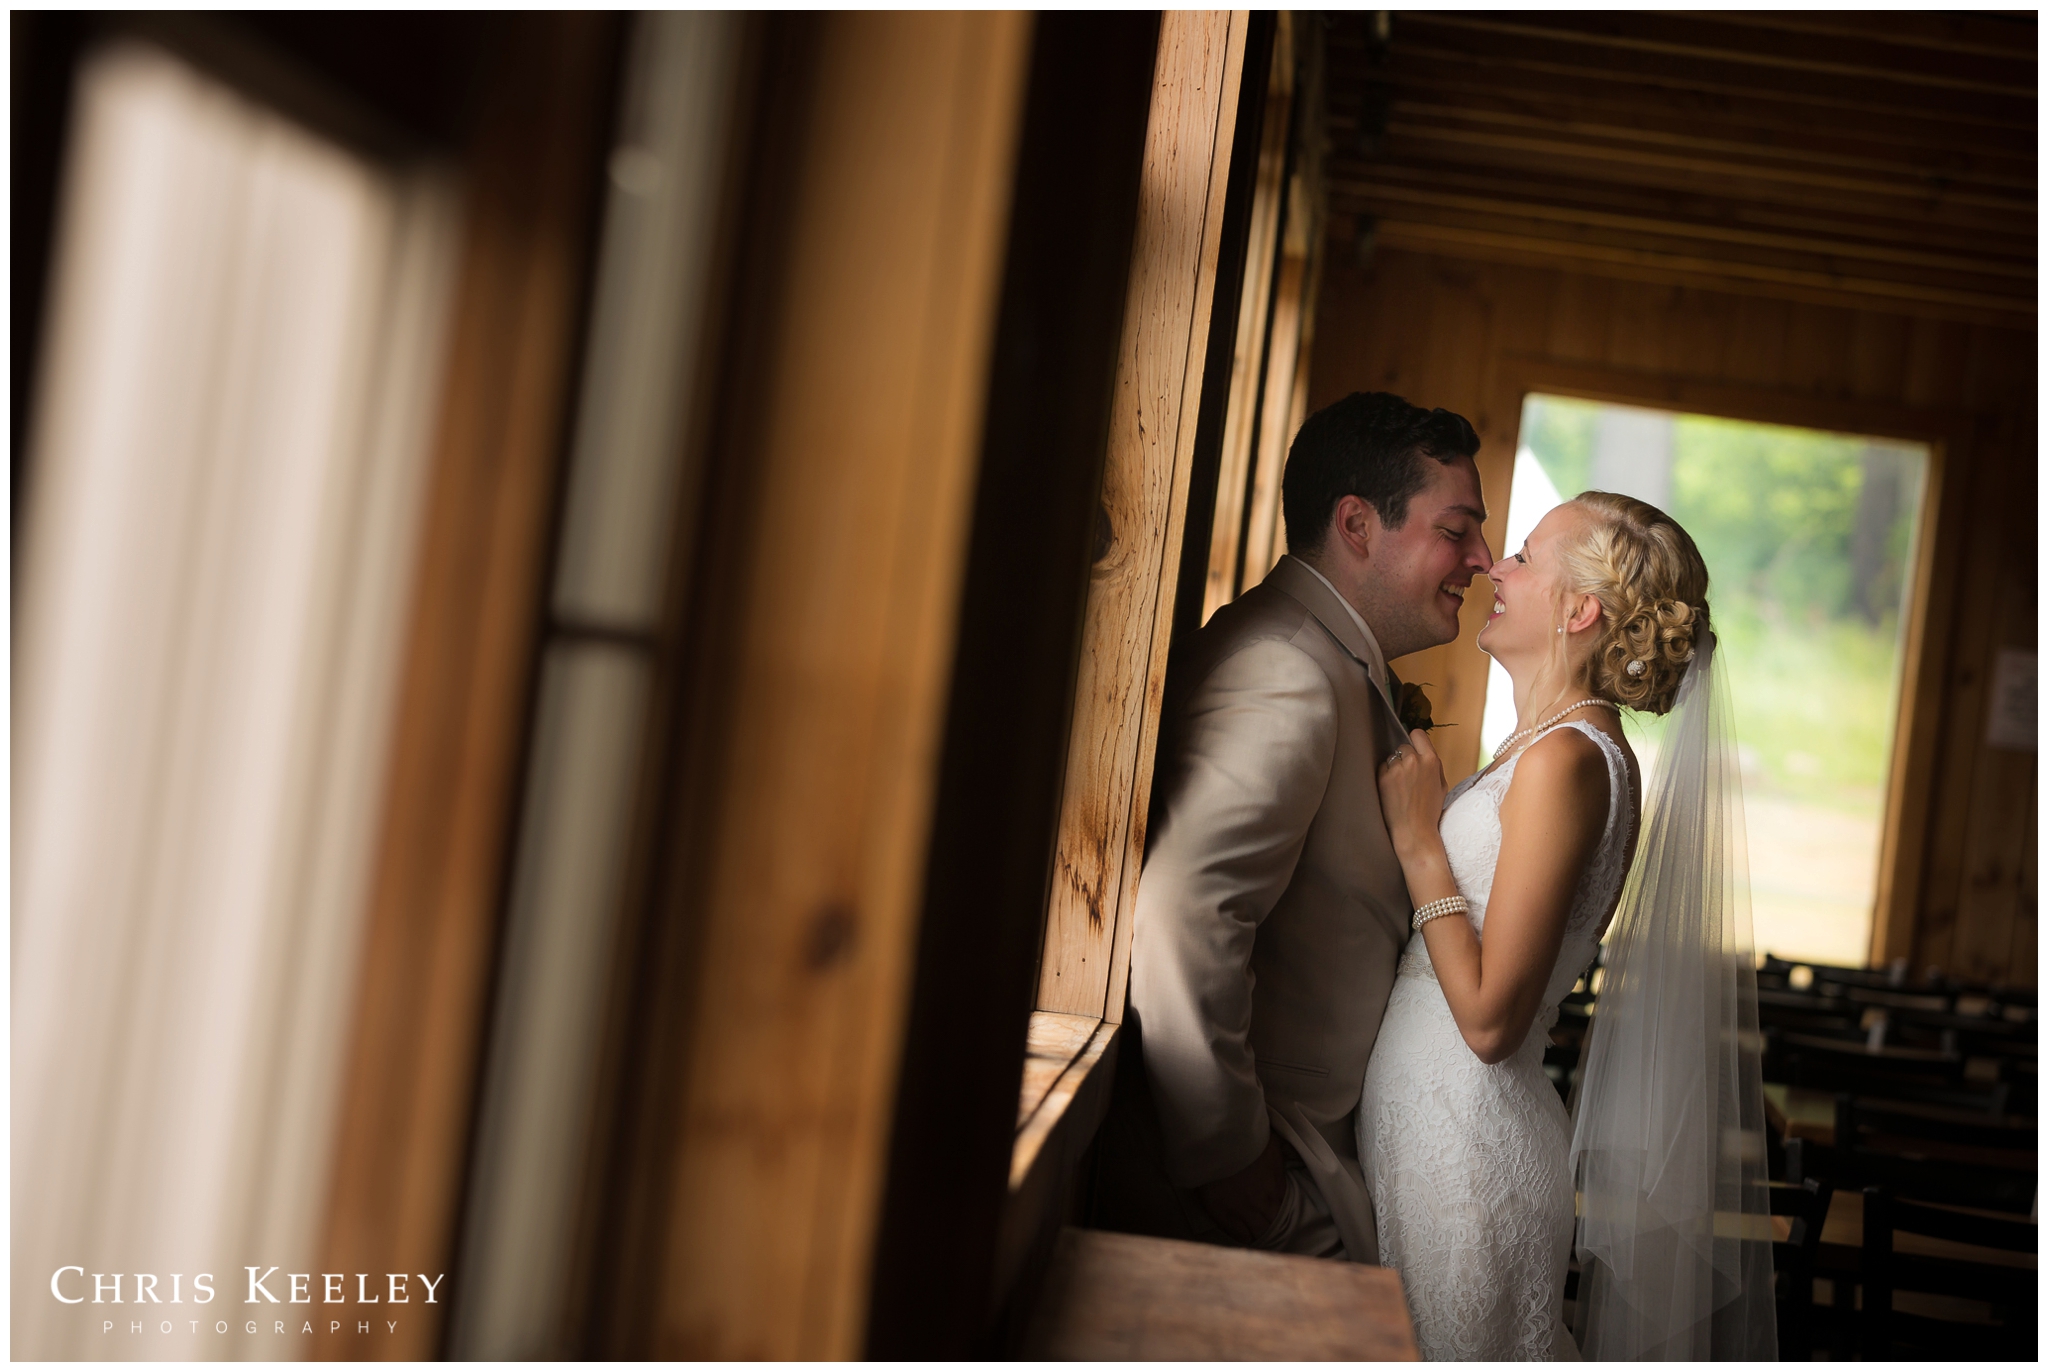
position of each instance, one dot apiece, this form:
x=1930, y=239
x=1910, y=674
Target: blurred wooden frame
x=459, y=730
x=810, y=687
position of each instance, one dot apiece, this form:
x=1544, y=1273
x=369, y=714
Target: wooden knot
x=831, y=936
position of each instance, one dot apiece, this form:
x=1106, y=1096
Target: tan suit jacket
x=1271, y=909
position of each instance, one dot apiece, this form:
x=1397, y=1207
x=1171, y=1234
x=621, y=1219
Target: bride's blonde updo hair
x=1652, y=586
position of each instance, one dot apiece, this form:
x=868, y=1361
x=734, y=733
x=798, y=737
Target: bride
x=1478, y=1175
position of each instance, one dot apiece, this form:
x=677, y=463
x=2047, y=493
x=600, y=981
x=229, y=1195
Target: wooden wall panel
x=1475, y=336
x=1144, y=498
x=853, y=428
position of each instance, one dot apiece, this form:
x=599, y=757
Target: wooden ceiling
x=1879, y=160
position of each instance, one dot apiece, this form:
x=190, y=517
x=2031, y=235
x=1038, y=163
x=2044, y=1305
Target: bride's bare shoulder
x=1564, y=767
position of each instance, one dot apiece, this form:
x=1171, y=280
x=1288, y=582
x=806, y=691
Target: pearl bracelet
x=1436, y=909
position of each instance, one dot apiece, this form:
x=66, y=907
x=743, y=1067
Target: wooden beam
x=1279, y=412
x=1508, y=71
x=1144, y=496
x=1426, y=140
x=1565, y=177
x=1798, y=407
x=461, y=717
x=1639, y=126
x=2013, y=33
x=1457, y=197
x=1707, y=273
x=853, y=432
x=1428, y=199
x=1840, y=53
x=1226, y=536
x=1611, y=99
x=1539, y=47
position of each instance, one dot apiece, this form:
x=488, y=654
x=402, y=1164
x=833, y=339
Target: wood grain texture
x=861, y=431
x=1128, y=1298
x=461, y=715
x=1050, y=1046
x=1977, y=909
x=1884, y=170
x=1269, y=196
x=1263, y=541
x=1051, y=1148
x=1087, y=1071
x=1478, y=336
x=1144, y=495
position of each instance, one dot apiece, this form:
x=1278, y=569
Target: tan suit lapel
x=1294, y=577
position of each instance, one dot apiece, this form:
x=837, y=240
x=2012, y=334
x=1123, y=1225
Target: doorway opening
x=1809, y=539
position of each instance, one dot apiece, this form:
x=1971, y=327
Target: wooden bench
x=1127, y=1298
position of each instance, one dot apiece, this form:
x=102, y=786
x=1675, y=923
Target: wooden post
x=1144, y=499
x=854, y=429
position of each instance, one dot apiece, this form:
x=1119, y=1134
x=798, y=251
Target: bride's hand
x=1412, y=792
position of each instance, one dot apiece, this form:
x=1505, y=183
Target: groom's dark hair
x=1369, y=444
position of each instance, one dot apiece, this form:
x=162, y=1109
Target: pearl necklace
x=1508, y=743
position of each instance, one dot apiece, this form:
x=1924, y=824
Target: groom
x=1271, y=909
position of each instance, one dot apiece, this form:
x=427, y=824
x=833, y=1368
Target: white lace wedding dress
x=1467, y=1164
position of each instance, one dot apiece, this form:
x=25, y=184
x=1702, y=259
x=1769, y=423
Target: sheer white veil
x=1668, y=1126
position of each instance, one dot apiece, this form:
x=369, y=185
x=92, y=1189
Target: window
x=228, y=465
x=1809, y=539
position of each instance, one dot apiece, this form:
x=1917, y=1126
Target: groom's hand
x=1245, y=1204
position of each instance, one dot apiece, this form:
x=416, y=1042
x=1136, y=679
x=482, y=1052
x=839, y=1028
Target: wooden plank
x=1297, y=405
x=1077, y=1074
x=2013, y=32
x=1144, y=493
x=1457, y=350
x=1048, y=1155
x=1253, y=329
x=1128, y=1298
x=460, y=723
x=1569, y=193
x=1263, y=530
x=2003, y=787
x=1953, y=783
x=872, y=360
x=1444, y=67
x=1836, y=52
x=1759, y=404
x=1519, y=42
x=1051, y=1044
x=1637, y=126
x=1571, y=183
x=1689, y=266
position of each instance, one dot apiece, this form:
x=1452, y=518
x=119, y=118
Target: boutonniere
x=1413, y=706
